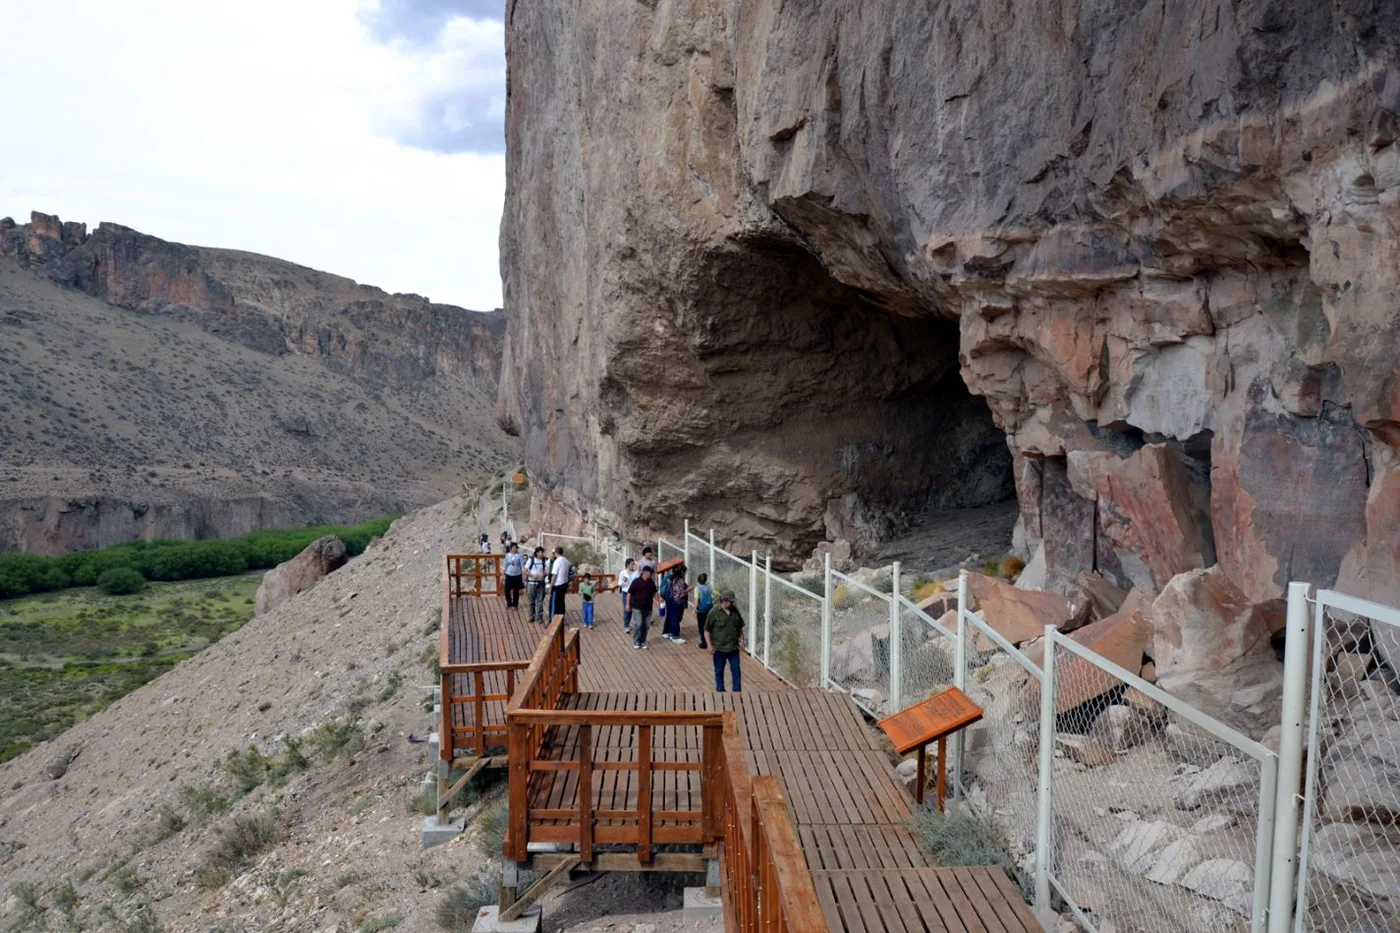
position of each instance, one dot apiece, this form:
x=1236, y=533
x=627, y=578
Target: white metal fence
x=1119, y=802
x=1350, y=847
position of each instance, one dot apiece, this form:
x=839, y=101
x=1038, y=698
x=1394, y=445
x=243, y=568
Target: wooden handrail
x=787, y=896
x=578, y=717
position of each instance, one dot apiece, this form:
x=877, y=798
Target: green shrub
x=334, y=740
x=169, y=821
x=121, y=581
x=381, y=923
x=239, y=842
x=959, y=839
x=491, y=829
x=582, y=552
x=21, y=574
x=457, y=911
x=65, y=898
x=249, y=768
x=123, y=878
x=203, y=802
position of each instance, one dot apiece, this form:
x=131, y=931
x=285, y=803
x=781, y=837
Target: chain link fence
x=1350, y=848
x=860, y=642
x=665, y=550
x=1161, y=818
x=996, y=760
x=792, y=631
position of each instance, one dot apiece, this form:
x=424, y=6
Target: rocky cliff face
x=266, y=304
x=154, y=390
x=748, y=244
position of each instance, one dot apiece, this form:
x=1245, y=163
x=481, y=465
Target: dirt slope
x=345, y=822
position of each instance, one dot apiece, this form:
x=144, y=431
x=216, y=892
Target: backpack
x=705, y=600
x=666, y=588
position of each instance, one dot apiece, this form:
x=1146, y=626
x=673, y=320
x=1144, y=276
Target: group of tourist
x=722, y=624
x=548, y=579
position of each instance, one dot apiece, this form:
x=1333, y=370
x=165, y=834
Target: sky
x=359, y=137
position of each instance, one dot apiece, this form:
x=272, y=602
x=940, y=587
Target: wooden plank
x=585, y=792
x=644, y=793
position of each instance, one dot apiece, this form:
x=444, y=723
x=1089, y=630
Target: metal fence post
x=712, y=557
x=1044, y=815
x=826, y=623
x=896, y=646
x=753, y=604
x=960, y=677
x=1290, y=763
x=685, y=543
x=767, y=609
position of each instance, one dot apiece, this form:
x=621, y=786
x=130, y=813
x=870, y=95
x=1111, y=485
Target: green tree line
x=21, y=574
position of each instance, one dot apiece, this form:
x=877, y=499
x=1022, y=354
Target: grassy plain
x=67, y=654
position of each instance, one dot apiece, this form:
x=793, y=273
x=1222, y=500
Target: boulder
x=1211, y=647
x=1020, y=615
x=1360, y=771
x=1227, y=880
x=1120, y=638
x=1084, y=750
x=321, y=557
x=1120, y=727
x=1140, y=842
x=1228, y=784
x=1358, y=856
x=1104, y=597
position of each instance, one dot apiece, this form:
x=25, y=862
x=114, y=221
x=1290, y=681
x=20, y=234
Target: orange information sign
x=931, y=721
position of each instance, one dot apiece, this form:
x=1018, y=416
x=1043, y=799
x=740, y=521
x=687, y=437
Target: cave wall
x=735, y=232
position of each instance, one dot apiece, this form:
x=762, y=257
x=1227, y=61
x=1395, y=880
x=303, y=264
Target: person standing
x=624, y=580
x=536, y=570
x=561, y=577
x=640, y=595
x=585, y=595
x=704, y=602
x=649, y=559
x=726, y=627
x=514, y=567
x=676, y=592
x=485, y=543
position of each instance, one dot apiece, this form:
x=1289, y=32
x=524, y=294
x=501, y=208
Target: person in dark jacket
x=726, y=629
x=640, y=596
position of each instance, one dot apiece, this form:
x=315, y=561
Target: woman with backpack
x=676, y=592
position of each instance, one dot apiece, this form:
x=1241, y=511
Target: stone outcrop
x=267, y=304
x=318, y=559
x=756, y=255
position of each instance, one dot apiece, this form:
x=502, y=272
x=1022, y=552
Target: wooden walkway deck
x=654, y=783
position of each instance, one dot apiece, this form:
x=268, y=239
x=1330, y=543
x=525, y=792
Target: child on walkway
x=726, y=630
x=704, y=602
x=585, y=592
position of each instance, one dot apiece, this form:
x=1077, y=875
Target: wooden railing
x=465, y=574
x=765, y=881
x=474, y=574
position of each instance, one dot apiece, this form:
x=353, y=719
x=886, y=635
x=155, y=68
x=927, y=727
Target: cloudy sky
x=361, y=137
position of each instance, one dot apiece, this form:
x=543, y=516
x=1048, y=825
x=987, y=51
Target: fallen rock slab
x=1020, y=615
x=319, y=558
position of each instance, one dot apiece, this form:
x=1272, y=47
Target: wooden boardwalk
x=652, y=781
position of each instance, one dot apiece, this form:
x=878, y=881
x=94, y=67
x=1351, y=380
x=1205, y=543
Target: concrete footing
x=700, y=904
x=488, y=921
x=434, y=747
x=435, y=833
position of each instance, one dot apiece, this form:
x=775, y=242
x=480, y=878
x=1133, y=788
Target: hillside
x=348, y=651
x=147, y=388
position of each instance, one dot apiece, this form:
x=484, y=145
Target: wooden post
x=445, y=720
x=644, y=794
x=479, y=683
x=712, y=781
x=941, y=781
x=518, y=814
x=921, y=778
x=585, y=792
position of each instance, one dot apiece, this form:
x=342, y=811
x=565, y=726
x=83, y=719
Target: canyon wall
x=150, y=389
x=747, y=242
x=266, y=304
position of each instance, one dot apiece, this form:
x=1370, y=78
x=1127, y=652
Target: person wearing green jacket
x=726, y=628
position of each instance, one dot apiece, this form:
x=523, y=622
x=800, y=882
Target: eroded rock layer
x=746, y=244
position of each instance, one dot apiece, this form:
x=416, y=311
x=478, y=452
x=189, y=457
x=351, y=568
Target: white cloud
x=260, y=125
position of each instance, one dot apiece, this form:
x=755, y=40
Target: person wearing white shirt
x=624, y=580
x=561, y=574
